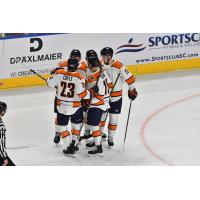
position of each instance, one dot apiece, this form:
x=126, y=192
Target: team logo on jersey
x=130, y=47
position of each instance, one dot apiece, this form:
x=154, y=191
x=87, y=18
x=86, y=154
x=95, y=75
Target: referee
x=4, y=159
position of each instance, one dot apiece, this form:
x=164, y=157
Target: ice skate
x=104, y=136
x=97, y=151
x=71, y=149
x=110, y=141
x=57, y=138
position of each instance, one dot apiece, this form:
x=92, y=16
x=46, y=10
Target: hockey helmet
x=72, y=64
x=91, y=53
x=107, y=51
x=75, y=53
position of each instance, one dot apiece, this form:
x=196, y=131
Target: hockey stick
x=44, y=79
x=130, y=105
x=127, y=124
x=33, y=71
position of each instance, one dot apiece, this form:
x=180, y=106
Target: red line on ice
x=148, y=120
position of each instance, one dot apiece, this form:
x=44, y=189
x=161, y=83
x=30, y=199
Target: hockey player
x=89, y=54
x=92, y=53
x=97, y=106
x=70, y=90
x=118, y=73
x=4, y=159
x=82, y=68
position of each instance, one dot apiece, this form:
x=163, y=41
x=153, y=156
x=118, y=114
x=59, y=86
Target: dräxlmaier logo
x=130, y=47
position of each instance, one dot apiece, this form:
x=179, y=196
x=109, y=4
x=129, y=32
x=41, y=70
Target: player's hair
x=93, y=61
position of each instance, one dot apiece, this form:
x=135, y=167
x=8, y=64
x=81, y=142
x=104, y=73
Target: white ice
x=171, y=136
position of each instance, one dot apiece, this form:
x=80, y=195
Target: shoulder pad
x=63, y=63
x=59, y=71
x=117, y=64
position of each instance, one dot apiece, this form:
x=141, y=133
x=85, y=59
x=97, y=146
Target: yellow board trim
x=139, y=69
x=22, y=82
x=167, y=66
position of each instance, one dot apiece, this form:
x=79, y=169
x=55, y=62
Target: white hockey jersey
x=118, y=69
x=101, y=99
x=70, y=90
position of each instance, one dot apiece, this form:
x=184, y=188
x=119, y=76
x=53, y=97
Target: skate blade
x=110, y=147
x=89, y=147
x=99, y=155
x=70, y=155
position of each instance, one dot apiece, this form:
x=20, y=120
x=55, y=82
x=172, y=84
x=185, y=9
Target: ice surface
x=162, y=131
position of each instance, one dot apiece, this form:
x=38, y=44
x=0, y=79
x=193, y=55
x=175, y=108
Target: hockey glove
x=132, y=94
x=85, y=102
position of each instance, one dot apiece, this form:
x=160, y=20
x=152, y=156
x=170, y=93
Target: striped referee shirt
x=3, y=153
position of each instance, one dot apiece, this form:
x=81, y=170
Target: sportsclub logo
x=174, y=40
x=162, y=42
x=130, y=47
